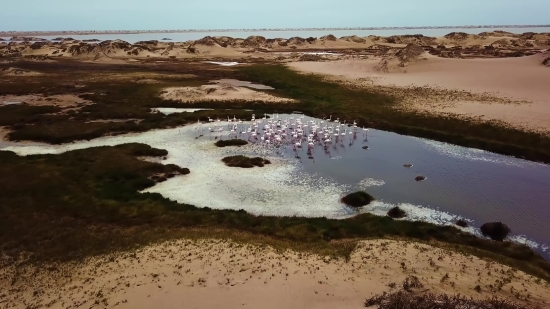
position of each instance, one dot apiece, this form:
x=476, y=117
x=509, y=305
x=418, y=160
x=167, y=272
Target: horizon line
x=269, y=29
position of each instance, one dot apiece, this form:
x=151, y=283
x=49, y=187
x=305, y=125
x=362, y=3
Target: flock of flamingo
x=286, y=130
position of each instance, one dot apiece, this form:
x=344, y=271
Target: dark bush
x=357, y=199
x=397, y=213
x=495, y=230
x=245, y=162
x=231, y=142
x=461, y=223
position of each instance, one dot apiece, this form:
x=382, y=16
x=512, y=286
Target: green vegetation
x=244, y=161
x=50, y=205
x=231, y=142
x=495, y=230
x=377, y=110
x=357, y=199
x=397, y=213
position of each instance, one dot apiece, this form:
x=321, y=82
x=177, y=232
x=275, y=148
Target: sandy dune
x=61, y=100
x=218, y=92
x=214, y=274
x=512, y=79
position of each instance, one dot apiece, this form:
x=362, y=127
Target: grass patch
x=231, y=142
x=245, y=162
x=357, y=199
x=404, y=299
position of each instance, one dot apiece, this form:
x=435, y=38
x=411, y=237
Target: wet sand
x=216, y=273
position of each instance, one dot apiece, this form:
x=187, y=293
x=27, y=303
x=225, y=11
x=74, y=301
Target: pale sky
x=28, y=15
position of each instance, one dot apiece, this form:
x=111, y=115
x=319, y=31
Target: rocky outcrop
x=546, y=62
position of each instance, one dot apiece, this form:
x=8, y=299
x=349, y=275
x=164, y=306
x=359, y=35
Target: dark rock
x=495, y=230
x=408, y=165
x=420, y=178
x=365, y=147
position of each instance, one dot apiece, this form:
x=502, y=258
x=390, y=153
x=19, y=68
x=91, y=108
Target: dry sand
x=218, y=92
x=510, y=80
x=61, y=100
x=223, y=274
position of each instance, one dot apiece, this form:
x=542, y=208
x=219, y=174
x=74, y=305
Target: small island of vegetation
x=245, y=162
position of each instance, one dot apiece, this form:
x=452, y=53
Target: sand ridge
x=61, y=100
x=212, y=273
x=222, y=91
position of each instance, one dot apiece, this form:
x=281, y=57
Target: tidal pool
x=308, y=178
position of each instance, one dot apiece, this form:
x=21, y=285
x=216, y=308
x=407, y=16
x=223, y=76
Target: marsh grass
x=50, y=205
x=245, y=162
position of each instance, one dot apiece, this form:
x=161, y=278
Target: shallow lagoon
x=474, y=184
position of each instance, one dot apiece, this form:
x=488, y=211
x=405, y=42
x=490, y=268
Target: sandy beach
x=214, y=273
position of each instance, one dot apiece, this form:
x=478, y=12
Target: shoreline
x=96, y=32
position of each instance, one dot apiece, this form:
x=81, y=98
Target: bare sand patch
x=61, y=100
x=219, y=92
x=216, y=273
x=476, y=87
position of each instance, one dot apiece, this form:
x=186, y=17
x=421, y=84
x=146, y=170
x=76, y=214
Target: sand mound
x=457, y=36
x=18, y=72
x=400, y=58
x=354, y=39
x=254, y=42
x=61, y=100
x=218, y=92
x=418, y=39
x=329, y=37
